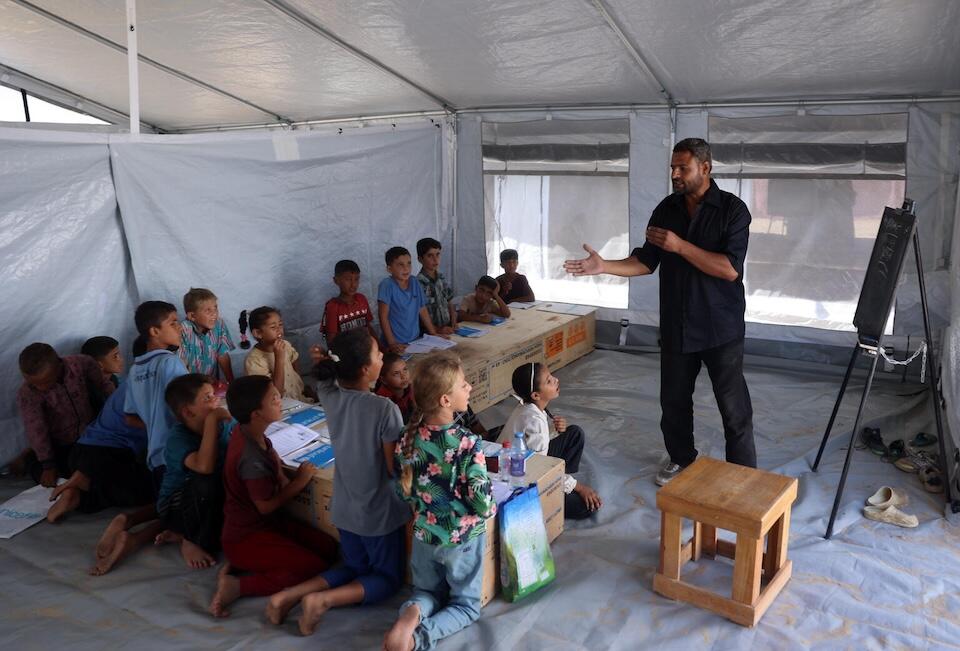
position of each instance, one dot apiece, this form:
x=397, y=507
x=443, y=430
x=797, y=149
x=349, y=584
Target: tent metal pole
x=632, y=49
x=309, y=123
x=65, y=98
x=156, y=64
x=26, y=108
x=322, y=31
x=133, y=72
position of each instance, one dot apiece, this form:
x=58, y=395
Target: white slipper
x=890, y=515
x=886, y=496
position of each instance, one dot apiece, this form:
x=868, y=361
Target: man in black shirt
x=698, y=237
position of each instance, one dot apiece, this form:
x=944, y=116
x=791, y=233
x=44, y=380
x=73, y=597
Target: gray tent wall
x=93, y=224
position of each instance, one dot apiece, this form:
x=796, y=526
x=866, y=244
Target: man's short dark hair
x=36, y=358
x=395, y=252
x=426, y=244
x=509, y=254
x=98, y=347
x=488, y=282
x=183, y=390
x=345, y=266
x=698, y=148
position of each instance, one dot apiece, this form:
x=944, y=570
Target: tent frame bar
x=633, y=50
x=103, y=40
x=13, y=78
x=323, y=32
x=309, y=123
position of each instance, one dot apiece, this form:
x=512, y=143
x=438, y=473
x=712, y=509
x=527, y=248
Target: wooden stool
x=751, y=503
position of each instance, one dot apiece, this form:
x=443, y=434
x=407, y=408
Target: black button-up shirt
x=699, y=311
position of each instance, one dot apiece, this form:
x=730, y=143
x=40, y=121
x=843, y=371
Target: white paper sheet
x=566, y=308
x=24, y=510
x=288, y=438
x=426, y=343
x=517, y=305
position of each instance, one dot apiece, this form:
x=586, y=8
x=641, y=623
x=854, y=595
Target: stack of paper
x=426, y=343
x=517, y=305
x=467, y=331
x=307, y=417
x=319, y=454
x=288, y=438
x=497, y=320
x=566, y=308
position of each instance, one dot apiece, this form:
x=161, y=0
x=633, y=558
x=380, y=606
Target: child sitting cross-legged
x=273, y=355
x=484, y=303
x=444, y=476
x=270, y=550
x=535, y=386
x=366, y=510
x=394, y=383
x=190, y=500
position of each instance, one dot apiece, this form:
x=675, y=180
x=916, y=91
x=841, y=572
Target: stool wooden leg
x=670, y=526
x=708, y=535
x=696, y=542
x=746, y=569
x=777, y=541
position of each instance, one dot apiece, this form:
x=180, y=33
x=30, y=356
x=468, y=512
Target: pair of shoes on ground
x=927, y=467
x=883, y=506
x=668, y=471
x=870, y=438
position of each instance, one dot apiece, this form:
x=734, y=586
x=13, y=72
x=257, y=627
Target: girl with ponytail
x=444, y=477
x=535, y=386
x=365, y=508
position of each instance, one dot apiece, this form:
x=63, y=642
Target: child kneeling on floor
x=366, y=509
x=190, y=500
x=444, y=476
x=273, y=550
x=535, y=386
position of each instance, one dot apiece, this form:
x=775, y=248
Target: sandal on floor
x=923, y=439
x=931, y=479
x=887, y=496
x=915, y=460
x=890, y=515
x=896, y=450
x=870, y=437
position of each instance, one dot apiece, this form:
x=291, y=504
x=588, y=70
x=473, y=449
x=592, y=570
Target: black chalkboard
x=883, y=273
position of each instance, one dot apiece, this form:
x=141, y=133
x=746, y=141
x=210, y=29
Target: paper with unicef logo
x=24, y=510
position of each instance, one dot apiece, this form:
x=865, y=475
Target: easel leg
x=934, y=375
x=836, y=406
x=853, y=438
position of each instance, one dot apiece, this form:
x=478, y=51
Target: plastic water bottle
x=518, y=461
x=503, y=462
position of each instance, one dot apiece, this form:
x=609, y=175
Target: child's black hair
x=524, y=381
x=150, y=314
x=183, y=390
x=393, y=253
x=97, y=347
x=488, y=282
x=509, y=254
x=426, y=244
x=246, y=395
x=344, y=266
x=37, y=357
x=353, y=349
x=260, y=315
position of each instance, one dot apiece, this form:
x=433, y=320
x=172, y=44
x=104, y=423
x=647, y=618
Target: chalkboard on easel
x=883, y=273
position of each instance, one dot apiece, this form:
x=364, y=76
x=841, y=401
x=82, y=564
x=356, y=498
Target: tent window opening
x=13, y=108
x=816, y=187
x=549, y=187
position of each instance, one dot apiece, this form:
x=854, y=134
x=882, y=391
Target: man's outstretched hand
x=589, y=266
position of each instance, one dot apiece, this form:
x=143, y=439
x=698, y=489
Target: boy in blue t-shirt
x=108, y=463
x=190, y=499
x=401, y=304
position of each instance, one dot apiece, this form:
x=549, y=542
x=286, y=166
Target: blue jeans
x=376, y=562
x=446, y=586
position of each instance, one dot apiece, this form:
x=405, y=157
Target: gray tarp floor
x=872, y=586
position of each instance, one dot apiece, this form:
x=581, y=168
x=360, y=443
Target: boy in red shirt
x=350, y=309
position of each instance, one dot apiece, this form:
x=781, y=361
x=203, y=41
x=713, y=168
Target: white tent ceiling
x=230, y=62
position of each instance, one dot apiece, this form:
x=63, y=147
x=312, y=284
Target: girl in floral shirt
x=445, y=478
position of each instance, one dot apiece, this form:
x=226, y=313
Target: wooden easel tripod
x=869, y=346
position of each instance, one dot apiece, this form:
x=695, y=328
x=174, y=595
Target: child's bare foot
x=279, y=605
x=194, y=555
x=228, y=590
x=108, y=540
x=166, y=536
x=67, y=500
x=314, y=606
x=123, y=545
x=400, y=635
